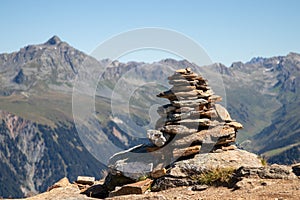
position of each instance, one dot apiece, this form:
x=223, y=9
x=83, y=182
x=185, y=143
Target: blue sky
x=229, y=31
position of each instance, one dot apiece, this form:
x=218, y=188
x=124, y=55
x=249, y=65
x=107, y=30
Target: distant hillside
x=264, y=95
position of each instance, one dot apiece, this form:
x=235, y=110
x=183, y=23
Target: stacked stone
x=193, y=120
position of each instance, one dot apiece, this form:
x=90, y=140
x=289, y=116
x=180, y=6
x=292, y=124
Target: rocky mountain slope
x=34, y=155
x=267, y=102
x=40, y=142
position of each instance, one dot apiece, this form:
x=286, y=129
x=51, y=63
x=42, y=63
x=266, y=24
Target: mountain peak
x=53, y=40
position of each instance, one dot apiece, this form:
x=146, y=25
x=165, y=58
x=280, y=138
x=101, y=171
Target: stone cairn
x=193, y=121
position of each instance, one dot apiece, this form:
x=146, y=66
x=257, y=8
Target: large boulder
x=206, y=161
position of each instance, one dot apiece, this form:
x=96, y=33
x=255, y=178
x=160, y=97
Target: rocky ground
x=253, y=189
x=249, y=189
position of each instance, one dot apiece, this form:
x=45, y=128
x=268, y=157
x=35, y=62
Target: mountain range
x=41, y=142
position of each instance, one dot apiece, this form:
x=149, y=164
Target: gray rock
x=192, y=94
x=173, y=95
x=222, y=113
x=189, y=103
x=206, y=161
x=140, y=161
x=279, y=171
x=132, y=163
x=133, y=170
x=184, y=109
x=183, y=88
x=182, y=114
x=195, y=122
x=182, y=82
x=157, y=138
x=179, y=116
x=182, y=98
x=177, y=129
x=178, y=172
x=208, y=113
x=202, y=136
x=269, y=172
